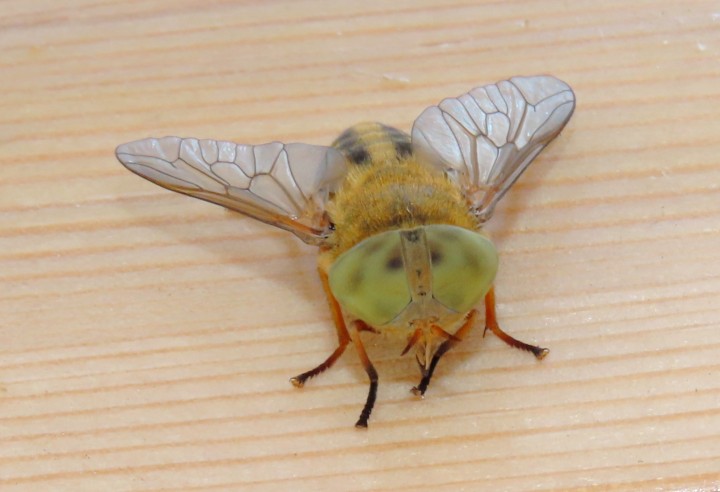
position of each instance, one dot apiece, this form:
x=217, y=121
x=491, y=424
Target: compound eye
x=369, y=280
x=464, y=264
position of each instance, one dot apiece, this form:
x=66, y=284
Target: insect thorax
x=388, y=188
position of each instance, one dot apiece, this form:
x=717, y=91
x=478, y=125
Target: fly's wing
x=485, y=139
x=285, y=185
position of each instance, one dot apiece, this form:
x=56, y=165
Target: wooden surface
x=146, y=339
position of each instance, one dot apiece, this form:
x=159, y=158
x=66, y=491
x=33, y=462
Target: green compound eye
x=369, y=280
x=464, y=264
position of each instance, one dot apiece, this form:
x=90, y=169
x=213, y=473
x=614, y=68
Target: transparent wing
x=286, y=185
x=486, y=138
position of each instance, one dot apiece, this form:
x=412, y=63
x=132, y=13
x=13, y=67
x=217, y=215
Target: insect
x=397, y=217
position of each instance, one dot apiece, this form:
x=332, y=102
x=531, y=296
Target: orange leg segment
x=492, y=325
x=342, y=333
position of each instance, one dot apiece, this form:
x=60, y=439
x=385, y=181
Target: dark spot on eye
x=435, y=257
x=394, y=263
x=356, y=279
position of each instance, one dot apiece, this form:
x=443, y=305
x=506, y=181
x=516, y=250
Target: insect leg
x=492, y=324
x=342, y=333
x=412, y=340
x=449, y=343
x=372, y=374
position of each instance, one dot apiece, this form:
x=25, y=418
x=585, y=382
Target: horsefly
x=397, y=218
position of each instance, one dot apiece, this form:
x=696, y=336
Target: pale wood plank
x=146, y=339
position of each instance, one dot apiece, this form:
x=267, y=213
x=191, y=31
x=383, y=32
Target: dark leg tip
x=540, y=353
x=297, y=381
x=361, y=423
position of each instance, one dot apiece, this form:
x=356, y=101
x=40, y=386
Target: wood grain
x=146, y=338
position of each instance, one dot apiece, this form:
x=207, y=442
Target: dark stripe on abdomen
x=400, y=140
x=352, y=148
x=367, y=142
